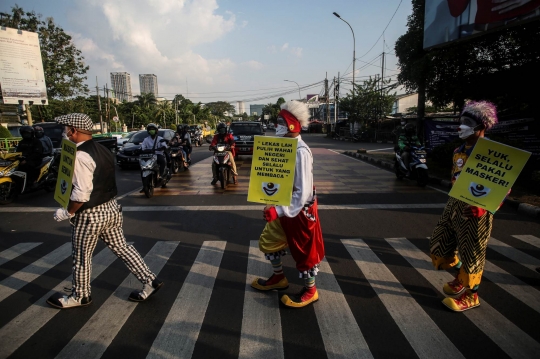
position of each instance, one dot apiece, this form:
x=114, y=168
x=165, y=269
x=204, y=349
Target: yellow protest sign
x=272, y=170
x=65, y=173
x=489, y=173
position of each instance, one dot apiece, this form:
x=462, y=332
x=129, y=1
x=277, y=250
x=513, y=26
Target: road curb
x=522, y=208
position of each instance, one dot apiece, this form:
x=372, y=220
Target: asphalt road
x=379, y=296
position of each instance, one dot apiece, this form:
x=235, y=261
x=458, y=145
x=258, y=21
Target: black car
x=128, y=154
x=54, y=131
x=244, y=133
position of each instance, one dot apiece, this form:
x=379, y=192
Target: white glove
x=62, y=214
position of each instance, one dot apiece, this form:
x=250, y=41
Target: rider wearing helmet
x=154, y=142
x=32, y=150
x=223, y=137
x=178, y=140
x=186, y=142
x=45, y=140
x=407, y=139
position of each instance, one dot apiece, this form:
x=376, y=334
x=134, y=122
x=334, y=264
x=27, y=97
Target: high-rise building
x=256, y=110
x=241, y=108
x=148, y=84
x=121, y=84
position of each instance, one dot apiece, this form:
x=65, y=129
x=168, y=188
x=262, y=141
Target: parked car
x=244, y=133
x=121, y=140
x=128, y=154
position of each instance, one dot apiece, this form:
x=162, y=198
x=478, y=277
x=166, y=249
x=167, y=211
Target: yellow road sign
x=272, y=170
x=65, y=173
x=489, y=173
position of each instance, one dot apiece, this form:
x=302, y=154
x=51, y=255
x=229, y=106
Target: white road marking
x=261, y=335
x=532, y=240
x=425, y=337
x=381, y=149
x=256, y=207
x=508, y=336
x=26, y=324
x=514, y=254
x=180, y=331
x=342, y=337
x=128, y=193
x=15, y=251
x=26, y=275
x=99, y=331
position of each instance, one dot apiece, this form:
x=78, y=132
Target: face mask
x=465, y=131
x=152, y=132
x=281, y=130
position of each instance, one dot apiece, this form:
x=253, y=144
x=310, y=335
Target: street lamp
x=354, y=49
x=299, y=96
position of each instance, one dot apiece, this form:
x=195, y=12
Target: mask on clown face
x=281, y=129
x=465, y=131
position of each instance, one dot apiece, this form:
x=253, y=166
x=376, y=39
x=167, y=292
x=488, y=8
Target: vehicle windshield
x=245, y=129
x=138, y=137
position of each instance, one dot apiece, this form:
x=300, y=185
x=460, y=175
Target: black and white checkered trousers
x=105, y=222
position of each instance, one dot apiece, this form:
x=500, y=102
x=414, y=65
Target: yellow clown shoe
x=300, y=300
x=466, y=301
x=453, y=288
x=274, y=282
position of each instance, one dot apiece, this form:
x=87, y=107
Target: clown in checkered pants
x=296, y=227
x=94, y=214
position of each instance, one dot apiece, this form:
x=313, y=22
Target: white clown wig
x=299, y=110
x=482, y=111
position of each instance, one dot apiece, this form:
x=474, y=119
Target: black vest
x=104, y=180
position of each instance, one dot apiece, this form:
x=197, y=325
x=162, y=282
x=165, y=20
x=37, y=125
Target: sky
x=230, y=50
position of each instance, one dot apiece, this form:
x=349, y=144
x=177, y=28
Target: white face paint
x=465, y=131
x=281, y=130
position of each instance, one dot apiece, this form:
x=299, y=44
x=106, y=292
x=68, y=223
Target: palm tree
x=162, y=110
x=146, y=100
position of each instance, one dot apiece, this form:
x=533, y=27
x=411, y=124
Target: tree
x=63, y=63
x=219, y=108
x=369, y=102
x=146, y=100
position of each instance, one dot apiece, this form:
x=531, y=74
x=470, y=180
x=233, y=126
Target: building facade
x=121, y=84
x=256, y=109
x=241, y=107
x=148, y=83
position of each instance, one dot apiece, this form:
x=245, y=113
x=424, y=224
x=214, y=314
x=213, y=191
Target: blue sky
x=228, y=49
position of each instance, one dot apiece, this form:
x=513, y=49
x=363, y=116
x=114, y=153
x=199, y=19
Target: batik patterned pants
x=468, y=237
x=102, y=222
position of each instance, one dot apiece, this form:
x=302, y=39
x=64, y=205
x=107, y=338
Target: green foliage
x=4, y=133
x=369, y=101
x=272, y=109
x=63, y=63
x=220, y=107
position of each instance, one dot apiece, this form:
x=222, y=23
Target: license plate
x=245, y=149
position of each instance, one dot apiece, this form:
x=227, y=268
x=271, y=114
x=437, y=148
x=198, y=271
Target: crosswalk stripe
x=342, y=338
x=514, y=286
x=425, y=337
x=261, y=335
x=510, y=338
x=514, y=254
x=188, y=310
x=15, y=251
x=532, y=240
x=97, y=334
x=22, y=327
x=26, y=275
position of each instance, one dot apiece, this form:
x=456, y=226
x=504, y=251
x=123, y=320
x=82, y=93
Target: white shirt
x=83, y=174
x=148, y=144
x=303, y=181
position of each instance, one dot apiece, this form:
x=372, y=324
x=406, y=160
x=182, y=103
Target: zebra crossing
x=379, y=297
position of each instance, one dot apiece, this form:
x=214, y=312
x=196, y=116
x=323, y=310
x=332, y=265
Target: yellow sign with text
x=65, y=173
x=489, y=173
x=272, y=170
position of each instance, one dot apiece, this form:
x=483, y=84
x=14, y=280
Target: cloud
x=271, y=49
x=285, y=46
x=296, y=51
x=254, y=65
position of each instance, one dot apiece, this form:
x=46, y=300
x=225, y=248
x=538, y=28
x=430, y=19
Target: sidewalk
x=524, y=203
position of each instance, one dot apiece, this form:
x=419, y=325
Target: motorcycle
x=151, y=178
x=417, y=165
x=196, y=138
x=178, y=162
x=13, y=182
x=222, y=163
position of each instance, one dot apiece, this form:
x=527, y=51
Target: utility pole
x=327, y=99
x=335, y=102
x=99, y=107
x=382, y=85
x=337, y=99
x=107, y=117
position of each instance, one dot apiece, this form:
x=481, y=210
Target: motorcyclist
x=45, y=141
x=186, y=142
x=406, y=139
x=32, y=150
x=177, y=142
x=154, y=142
x=223, y=137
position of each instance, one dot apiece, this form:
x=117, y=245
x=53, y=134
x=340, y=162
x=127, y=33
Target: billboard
x=451, y=20
x=21, y=68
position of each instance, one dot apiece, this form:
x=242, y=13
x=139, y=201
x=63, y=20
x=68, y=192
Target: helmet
x=222, y=128
x=151, y=126
x=38, y=130
x=179, y=128
x=27, y=132
x=186, y=128
x=410, y=129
